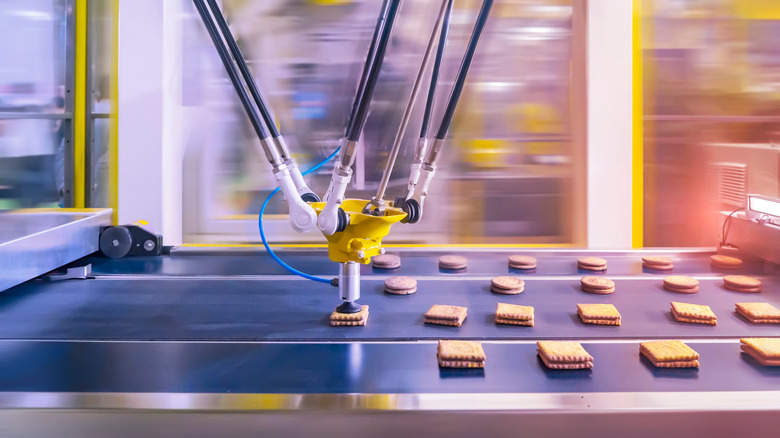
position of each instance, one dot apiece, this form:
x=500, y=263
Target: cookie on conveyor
x=562, y=355
x=460, y=354
x=506, y=285
x=681, y=284
x=597, y=285
x=592, y=263
x=765, y=351
x=400, y=285
x=658, y=263
x=350, y=319
x=741, y=283
x=759, y=313
x=725, y=262
x=452, y=262
x=693, y=313
x=599, y=314
x=669, y=354
x=522, y=262
x=445, y=315
x=515, y=315
x=386, y=261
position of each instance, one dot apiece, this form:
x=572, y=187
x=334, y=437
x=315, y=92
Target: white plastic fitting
x=303, y=218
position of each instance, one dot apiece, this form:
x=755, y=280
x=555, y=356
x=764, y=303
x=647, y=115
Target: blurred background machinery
x=709, y=80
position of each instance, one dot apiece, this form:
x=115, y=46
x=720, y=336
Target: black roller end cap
x=410, y=207
x=343, y=220
x=310, y=197
x=349, y=307
x=116, y=242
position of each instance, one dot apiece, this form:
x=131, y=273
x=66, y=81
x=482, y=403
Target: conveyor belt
x=340, y=368
x=292, y=309
x=486, y=262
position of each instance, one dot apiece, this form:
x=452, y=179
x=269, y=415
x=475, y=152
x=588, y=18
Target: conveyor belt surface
x=358, y=368
x=290, y=309
x=487, y=262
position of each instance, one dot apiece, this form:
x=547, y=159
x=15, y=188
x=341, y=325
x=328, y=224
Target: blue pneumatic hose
x=262, y=234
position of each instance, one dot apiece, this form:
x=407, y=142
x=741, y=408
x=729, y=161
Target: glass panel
x=30, y=170
x=100, y=47
x=712, y=114
x=505, y=173
x=33, y=53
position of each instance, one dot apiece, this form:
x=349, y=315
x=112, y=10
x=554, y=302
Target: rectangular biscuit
x=460, y=350
x=597, y=321
x=758, y=357
x=758, y=310
x=598, y=311
x=440, y=311
x=768, y=347
x=448, y=322
x=348, y=323
x=761, y=320
x=688, y=310
x=563, y=351
x=680, y=318
x=461, y=364
x=514, y=312
x=565, y=365
x=677, y=364
x=363, y=314
x=525, y=322
x=666, y=351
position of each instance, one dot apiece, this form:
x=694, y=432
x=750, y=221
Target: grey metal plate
x=34, y=243
x=293, y=309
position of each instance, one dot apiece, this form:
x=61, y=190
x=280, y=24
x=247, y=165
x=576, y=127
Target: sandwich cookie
x=741, y=283
x=522, y=262
x=592, y=264
x=658, y=263
x=400, y=285
x=597, y=285
x=452, y=262
x=507, y=285
x=386, y=261
x=681, y=284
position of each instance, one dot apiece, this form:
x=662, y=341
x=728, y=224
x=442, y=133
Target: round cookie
x=681, y=284
x=507, y=285
x=452, y=262
x=400, y=285
x=660, y=263
x=722, y=261
x=592, y=263
x=597, y=285
x=741, y=283
x=522, y=262
x=386, y=261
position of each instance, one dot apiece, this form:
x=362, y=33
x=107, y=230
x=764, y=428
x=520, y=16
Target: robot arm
x=333, y=219
x=424, y=169
x=285, y=169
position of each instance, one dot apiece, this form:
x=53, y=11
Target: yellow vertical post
x=637, y=208
x=80, y=119
x=113, y=131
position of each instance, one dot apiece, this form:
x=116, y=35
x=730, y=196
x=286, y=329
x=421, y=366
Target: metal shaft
x=429, y=104
x=445, y=6
x=457, y=89
x=269, y=148
x=243, y=67
x=380, y=22
x=364, y=95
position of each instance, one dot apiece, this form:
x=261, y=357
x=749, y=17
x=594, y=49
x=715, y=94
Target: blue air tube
x=262, y=234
